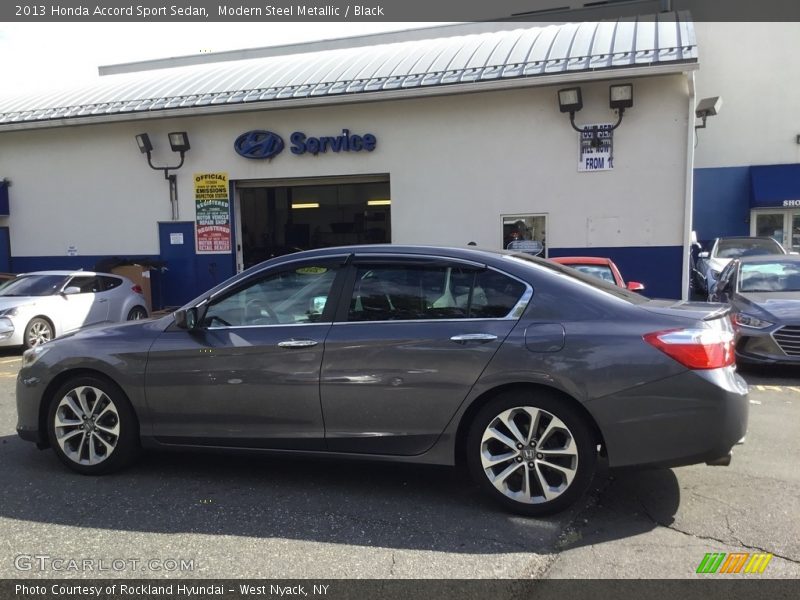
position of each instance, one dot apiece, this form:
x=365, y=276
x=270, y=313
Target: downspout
x=688, y=202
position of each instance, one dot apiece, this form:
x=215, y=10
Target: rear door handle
x=102, y=300
x=297, y=343
x=473, y=337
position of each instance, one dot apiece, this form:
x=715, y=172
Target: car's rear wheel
x=137, y=313
x=532, y=452
x=92, y=426
x=38, y=331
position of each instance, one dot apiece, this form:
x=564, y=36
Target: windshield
x=747, y=247
x=34, y=285
x=595, y=282
x=778, y=276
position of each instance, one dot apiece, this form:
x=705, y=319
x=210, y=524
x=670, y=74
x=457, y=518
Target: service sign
x=213, y=220
x=596, y=151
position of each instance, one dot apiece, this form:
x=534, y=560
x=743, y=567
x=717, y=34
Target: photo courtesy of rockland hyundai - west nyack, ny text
x=348, y=301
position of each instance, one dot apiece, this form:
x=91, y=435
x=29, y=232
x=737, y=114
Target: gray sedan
x=764, y=292
x=524, y=370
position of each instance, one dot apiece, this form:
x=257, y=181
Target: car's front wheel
x=532, y=452
x=38, y=331
x=92, y=426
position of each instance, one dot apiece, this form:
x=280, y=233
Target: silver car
x=37, y=307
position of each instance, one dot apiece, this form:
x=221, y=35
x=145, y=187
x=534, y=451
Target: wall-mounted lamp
x=179, y=142
x=570, y=101
x=707, y=107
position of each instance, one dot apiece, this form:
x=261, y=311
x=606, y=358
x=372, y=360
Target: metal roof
x=402, y=69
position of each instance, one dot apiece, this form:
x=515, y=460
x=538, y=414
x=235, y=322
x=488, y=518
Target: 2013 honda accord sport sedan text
x=524, y=369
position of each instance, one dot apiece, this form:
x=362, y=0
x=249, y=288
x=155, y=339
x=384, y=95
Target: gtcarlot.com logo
x=45, y=562
x=736, y=562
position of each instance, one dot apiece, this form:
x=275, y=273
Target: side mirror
x=71, y=290
x=703, y=254
x=635, y=286
x=186, y=319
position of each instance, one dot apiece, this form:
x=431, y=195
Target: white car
x=37, y=307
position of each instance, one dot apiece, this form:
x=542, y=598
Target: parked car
x=37, y=307
x=524, y=369
x=710, y=264
x=603, y=268
x=764, y=292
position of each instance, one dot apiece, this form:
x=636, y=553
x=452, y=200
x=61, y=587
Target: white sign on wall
x=596, y=152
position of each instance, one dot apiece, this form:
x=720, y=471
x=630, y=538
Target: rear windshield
x=600, y=271
x=595, y=282
x=34, y=285
x=778, y=276
x=747, y=247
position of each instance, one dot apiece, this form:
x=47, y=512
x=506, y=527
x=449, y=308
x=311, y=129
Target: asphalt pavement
x=204, y=515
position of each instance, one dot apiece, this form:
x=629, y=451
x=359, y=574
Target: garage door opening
x=278, y=220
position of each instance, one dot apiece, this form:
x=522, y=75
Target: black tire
x=137, y=313
x=126, y=444
x=533, y=467
x=38, y=331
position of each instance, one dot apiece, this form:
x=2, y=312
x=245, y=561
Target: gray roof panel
x=485, y=57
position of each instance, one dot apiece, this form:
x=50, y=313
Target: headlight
x=745, y=320
x=9, y=312
x=32, y=355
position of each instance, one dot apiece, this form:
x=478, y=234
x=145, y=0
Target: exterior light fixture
x=620, y=97
x=179, y=142
x=570, y=100
x=707, y=107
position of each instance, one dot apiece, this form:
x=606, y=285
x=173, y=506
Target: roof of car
x=64, y=273
x=768, y=258
x=581, y=260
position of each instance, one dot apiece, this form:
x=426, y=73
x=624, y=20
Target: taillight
x=696, y=348
x=137, y=289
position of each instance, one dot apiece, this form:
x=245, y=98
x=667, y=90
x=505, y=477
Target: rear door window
x=406, y=292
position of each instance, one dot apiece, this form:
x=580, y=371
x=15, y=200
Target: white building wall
x=754, y=67
x=456, y=164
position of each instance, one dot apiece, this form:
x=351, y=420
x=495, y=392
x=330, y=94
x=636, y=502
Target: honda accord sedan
x=524, y=370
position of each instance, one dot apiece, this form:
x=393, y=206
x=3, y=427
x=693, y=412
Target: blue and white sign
x=596, y=155
x=262, y=144
x=259, y=144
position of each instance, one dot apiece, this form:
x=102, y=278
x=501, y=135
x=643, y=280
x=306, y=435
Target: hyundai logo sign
x=258, y=144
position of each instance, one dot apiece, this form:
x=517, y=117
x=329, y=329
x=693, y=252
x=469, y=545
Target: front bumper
x=760, y=347
x=690, y=418
x=30, y=389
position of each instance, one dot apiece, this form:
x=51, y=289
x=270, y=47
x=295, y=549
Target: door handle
x=473, y=337
x=102, y=300
x=297, y=343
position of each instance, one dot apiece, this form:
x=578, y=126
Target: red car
x=603, y=268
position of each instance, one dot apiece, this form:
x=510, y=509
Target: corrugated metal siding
x=495, y=56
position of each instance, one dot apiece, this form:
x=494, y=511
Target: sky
x=37, y=57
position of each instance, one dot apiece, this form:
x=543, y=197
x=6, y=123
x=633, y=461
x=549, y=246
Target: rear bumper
x=690, y=418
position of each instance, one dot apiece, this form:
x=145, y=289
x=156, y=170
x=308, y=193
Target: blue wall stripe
x=659, y=268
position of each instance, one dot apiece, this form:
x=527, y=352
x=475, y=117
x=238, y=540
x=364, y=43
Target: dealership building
x=439, y=136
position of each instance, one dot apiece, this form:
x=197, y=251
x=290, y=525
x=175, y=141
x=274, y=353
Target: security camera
x=708, y=107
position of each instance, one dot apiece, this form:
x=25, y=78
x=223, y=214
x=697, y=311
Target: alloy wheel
x=38, y=333
x=529, y=455
x=86, y=425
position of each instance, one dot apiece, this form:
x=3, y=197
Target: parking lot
x=193, y=515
